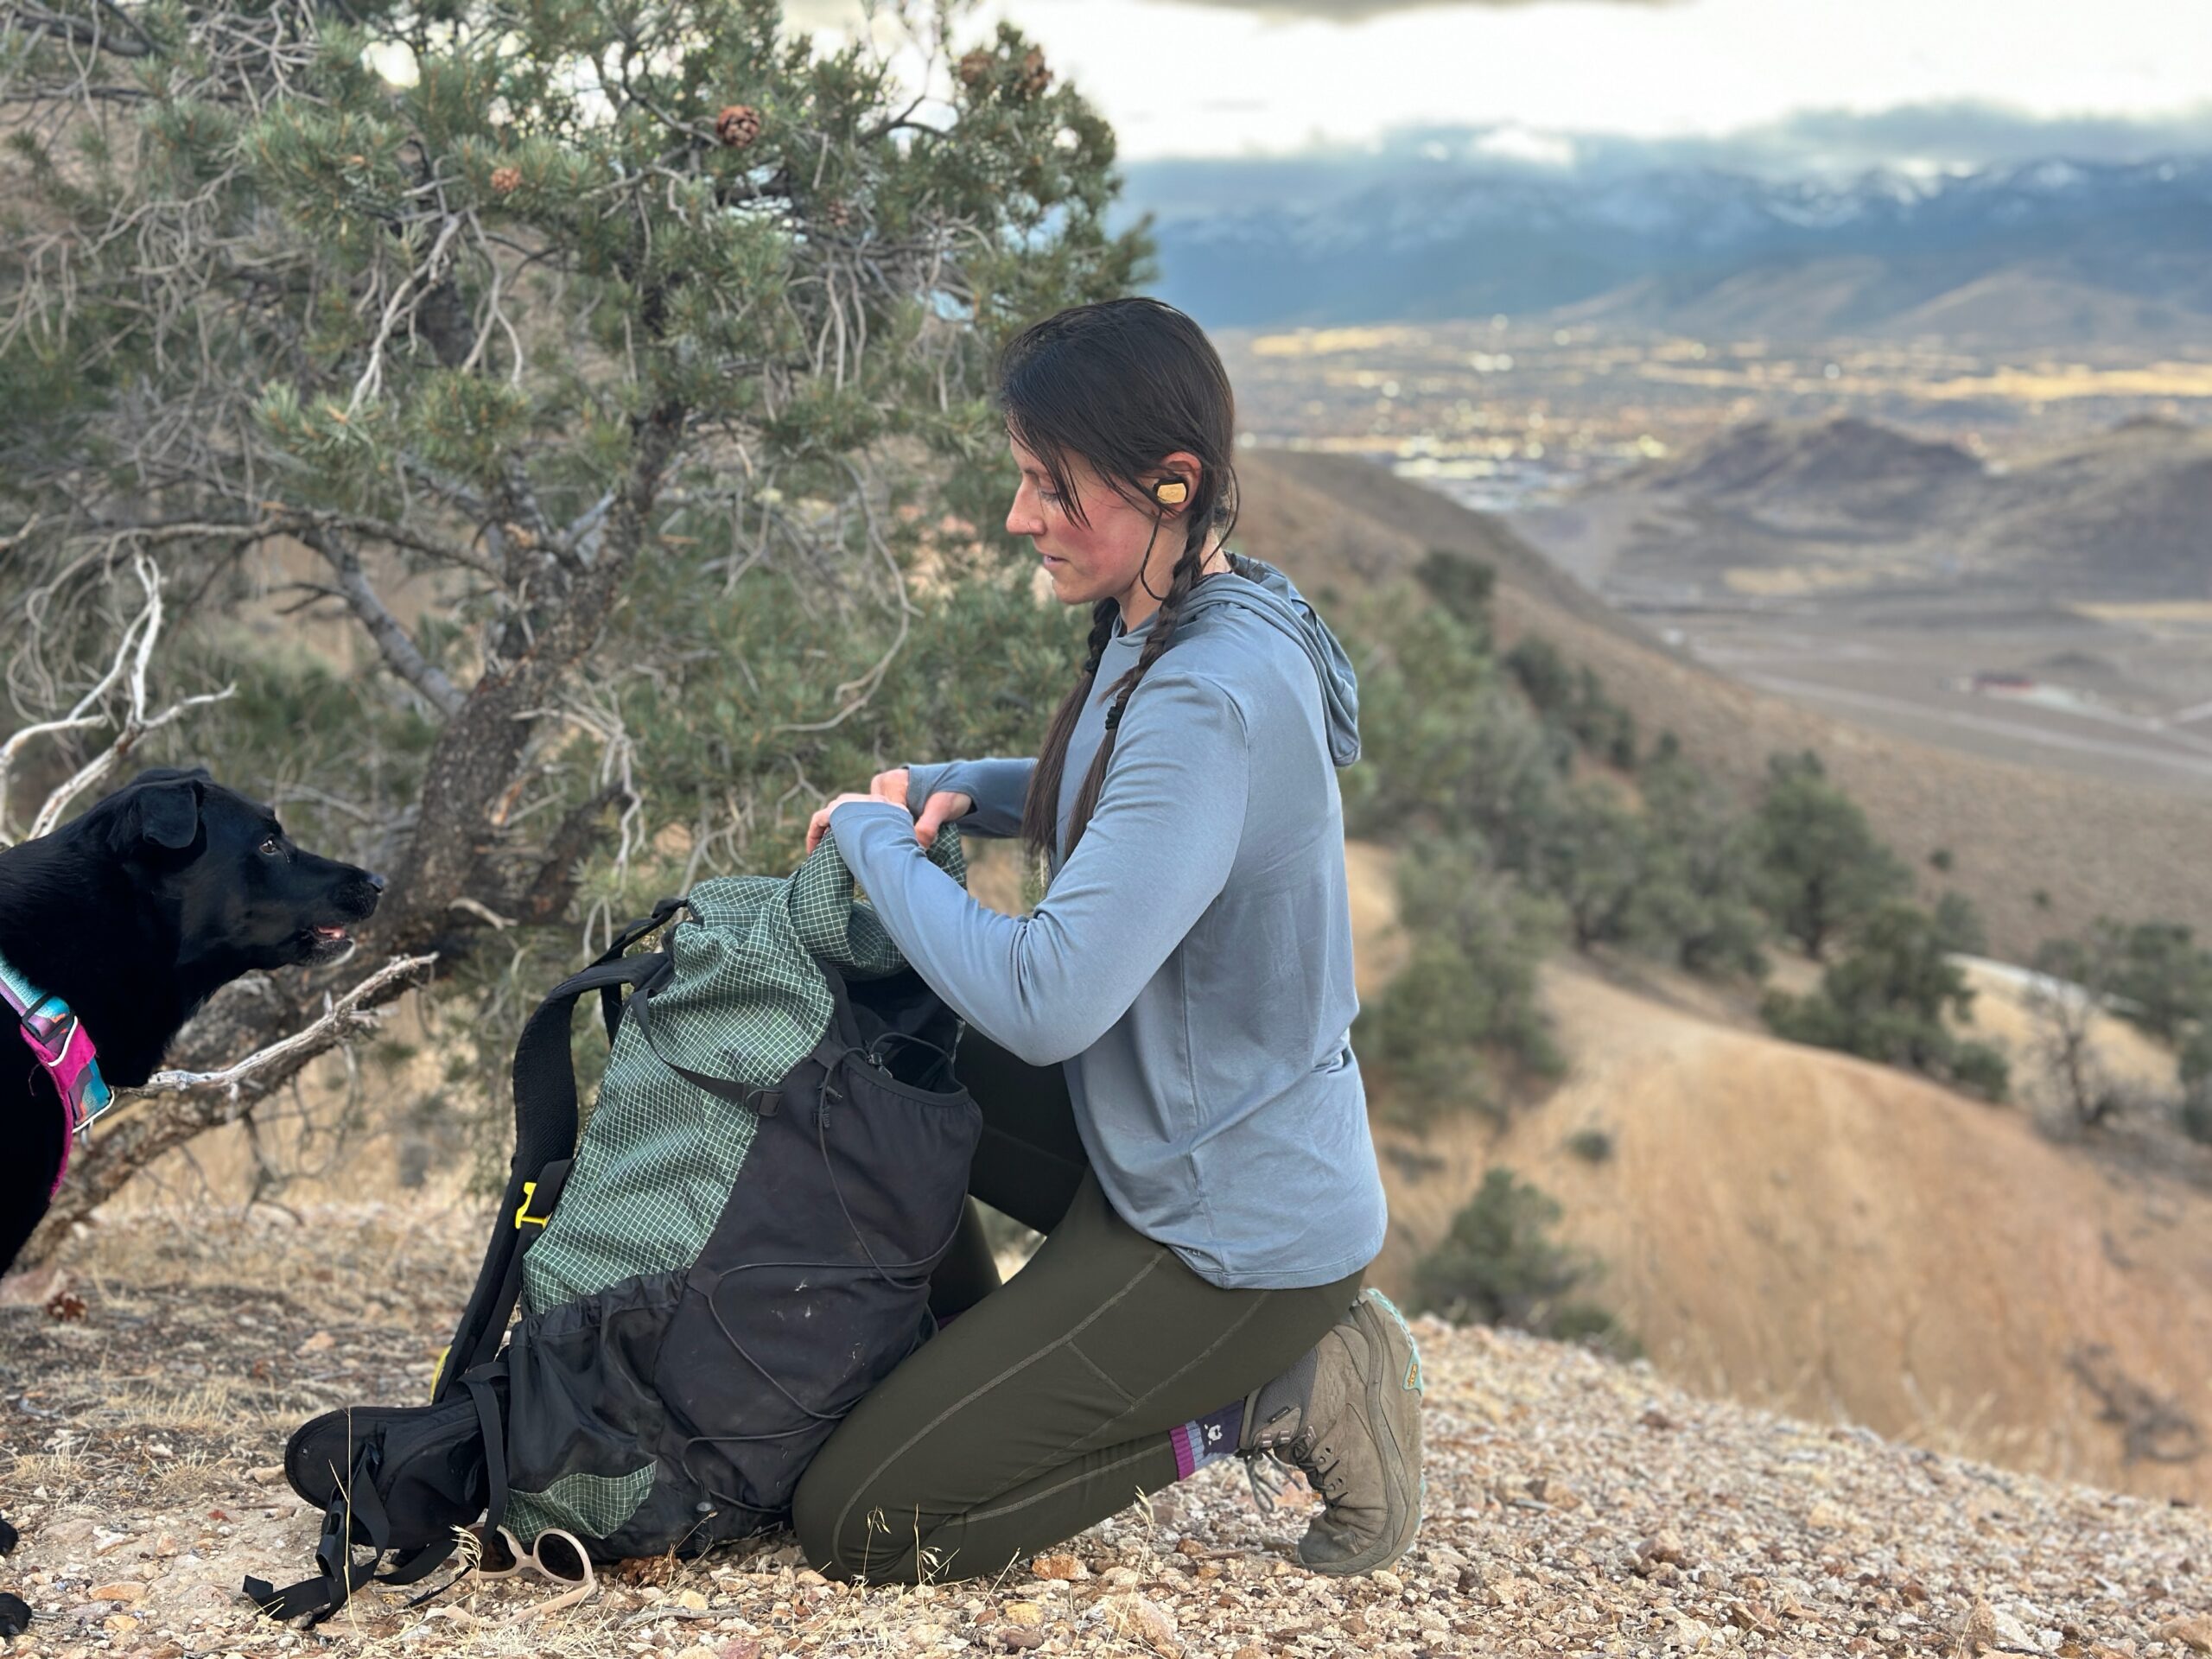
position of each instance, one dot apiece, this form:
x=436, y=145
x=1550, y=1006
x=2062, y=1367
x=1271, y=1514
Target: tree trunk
x=472, y=766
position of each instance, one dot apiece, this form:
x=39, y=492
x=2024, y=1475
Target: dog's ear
x=171, y=774
x=162, y=809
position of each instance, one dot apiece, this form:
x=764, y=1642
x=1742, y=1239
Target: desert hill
x=1839, y=1240
x=2090, y=847
x=1837, y=463
x=2120, y=516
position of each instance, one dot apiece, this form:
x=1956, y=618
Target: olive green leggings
x=1046, y=1406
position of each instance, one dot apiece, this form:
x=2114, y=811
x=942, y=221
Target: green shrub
x=1958, y=925
x=1695, y=900
x=2161, y=979
x=1592, y=857
x=1466, y=1001
x=1573, y=700
x=1542, y=674
x=1888, y=1001
x=1450, y=746
x=1591, y=1146
x=1821, y=871
x=2194, y=1115
x=1463, y=586
x=1499, y=1265
x=2195, y=1112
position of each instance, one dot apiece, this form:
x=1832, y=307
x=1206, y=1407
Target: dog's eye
x=271, y=846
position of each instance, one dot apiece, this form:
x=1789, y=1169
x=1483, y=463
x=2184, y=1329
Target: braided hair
x=1117, y=385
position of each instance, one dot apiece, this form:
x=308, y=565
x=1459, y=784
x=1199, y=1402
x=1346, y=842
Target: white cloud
x=1219, y=79
x=1518, y=143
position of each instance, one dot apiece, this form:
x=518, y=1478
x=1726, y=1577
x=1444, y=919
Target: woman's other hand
x=939, y=809
x=818, y=825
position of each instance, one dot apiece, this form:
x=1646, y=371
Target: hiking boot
x=1348, y=1418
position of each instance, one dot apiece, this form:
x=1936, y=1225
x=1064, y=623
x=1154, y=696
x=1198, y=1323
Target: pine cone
x=837, y=213
x=1035, y=77
x=506, y=179
x=738, y=125
x=973, y=67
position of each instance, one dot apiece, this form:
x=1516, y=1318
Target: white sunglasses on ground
x=557, y=1555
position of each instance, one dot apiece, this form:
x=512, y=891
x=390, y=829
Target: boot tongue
x=1292, y=1393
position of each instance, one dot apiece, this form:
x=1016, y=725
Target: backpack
x=737, y=1248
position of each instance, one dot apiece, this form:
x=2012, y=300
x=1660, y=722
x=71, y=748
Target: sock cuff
x=1188, y=1440
x=1207, y=1440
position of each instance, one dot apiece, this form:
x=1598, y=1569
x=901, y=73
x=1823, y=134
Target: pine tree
x=614, y=368
x=1820, y=869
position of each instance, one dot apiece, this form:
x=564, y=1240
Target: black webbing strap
x=734, y=1090
x=531, y=1212
x=546, y=1136
x=479, y=1384
x=413, y=1565
x=356, y=1500
x=610, y=998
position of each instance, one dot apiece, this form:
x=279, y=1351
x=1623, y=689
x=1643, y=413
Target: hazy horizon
x=1800, y=84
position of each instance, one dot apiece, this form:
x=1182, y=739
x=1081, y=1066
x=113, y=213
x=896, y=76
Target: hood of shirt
x=1263, y=592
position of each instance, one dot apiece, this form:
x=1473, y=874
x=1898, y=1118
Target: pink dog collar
x=65, y=1051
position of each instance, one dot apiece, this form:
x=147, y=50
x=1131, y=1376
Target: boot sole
x=1388, y=1383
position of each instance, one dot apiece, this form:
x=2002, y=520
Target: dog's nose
x=377, y=883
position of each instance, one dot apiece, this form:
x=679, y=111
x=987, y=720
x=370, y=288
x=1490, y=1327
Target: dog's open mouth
x=327, y=941
x=332, y=935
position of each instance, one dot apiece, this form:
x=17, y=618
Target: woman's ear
x=1176, y=481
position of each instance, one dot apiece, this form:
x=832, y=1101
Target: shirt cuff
x=872, y=804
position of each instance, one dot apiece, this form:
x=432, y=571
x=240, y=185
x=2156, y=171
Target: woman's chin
x=1067, y=586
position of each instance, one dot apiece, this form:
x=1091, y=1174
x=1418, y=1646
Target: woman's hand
x=818, y=825
x=938, y=810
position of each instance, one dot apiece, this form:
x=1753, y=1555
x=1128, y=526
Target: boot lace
x=1267, y=1470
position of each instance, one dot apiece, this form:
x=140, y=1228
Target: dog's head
x=243, y=896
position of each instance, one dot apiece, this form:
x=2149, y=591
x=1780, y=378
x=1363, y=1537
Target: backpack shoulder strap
x=545, y=1143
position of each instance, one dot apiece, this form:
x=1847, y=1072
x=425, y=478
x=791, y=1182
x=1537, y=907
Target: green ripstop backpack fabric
x=746, y=1002
x=590, y=1506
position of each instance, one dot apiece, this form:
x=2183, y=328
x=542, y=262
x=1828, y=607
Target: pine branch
x=399, y=651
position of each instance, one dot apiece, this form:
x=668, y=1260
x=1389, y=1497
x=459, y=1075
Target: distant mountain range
x=1854, y=506
x=2053, y=251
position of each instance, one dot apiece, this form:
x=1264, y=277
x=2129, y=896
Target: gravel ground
x=1575, y=1506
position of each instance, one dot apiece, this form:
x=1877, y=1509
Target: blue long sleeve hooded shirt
x=1190, y=962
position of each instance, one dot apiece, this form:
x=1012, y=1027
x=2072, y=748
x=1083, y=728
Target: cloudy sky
x=1931, y=80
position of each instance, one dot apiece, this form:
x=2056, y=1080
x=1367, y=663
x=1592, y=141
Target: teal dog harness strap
x=64, y=1051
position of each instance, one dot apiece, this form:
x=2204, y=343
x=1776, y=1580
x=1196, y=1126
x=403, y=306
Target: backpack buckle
x=522, y=1209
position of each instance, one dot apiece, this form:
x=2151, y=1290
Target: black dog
x=134, y=914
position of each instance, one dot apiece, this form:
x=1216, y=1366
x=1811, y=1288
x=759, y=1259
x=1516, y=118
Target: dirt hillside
x=2091, y=849
x=2116, y=516
x=1844, y=1241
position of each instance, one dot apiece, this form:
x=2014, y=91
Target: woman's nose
x=1022, y=517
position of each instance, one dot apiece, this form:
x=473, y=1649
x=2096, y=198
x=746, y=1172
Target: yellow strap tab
x=438, y=1372
x=522, y=1209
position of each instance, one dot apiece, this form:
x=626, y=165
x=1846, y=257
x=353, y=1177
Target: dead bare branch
x=132, y=658
x=343, y=1019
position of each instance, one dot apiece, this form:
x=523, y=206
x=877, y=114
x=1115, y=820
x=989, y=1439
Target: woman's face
x=1100, y=559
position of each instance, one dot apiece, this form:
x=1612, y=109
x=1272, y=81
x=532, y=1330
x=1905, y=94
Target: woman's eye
x=1048, y=498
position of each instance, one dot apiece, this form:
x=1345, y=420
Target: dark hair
x=1119, y=384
